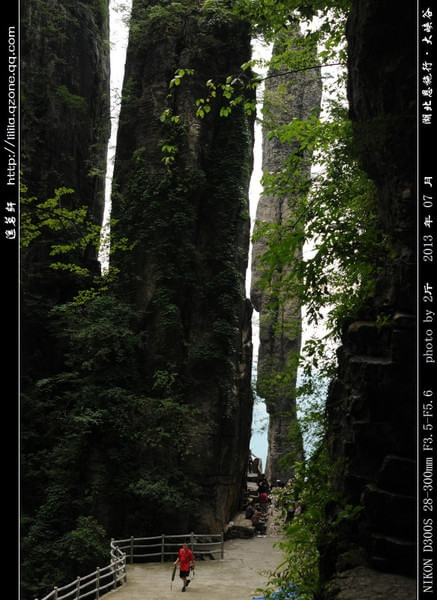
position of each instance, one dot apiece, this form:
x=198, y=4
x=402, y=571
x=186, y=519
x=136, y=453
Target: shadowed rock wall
x=187, y=220
x=64, y=129
x=64, y=132
x=372, y=403
x=65, y=99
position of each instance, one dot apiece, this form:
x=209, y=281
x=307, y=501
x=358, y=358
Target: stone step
x=398, y=475
x=391, y=553
x=389, y=512
x=239, y=527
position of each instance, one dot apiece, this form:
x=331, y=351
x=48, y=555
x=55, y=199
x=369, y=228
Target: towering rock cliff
x=372, y=403
x=65, y=99
x=286, y=97
x=64, y=134
x=180, y=200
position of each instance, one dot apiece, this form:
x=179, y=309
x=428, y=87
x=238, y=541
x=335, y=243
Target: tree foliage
x=98, y=443
x=333, y=208
x=69, y=228
x=94, y=439
x=334, y=219
x=334, y=214
x=305, y=497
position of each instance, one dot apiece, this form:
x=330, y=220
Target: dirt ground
x=241, y=575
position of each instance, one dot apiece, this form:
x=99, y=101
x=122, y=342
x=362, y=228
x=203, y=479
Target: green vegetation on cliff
x=137, y=389
x=180, y=201
x=115, y=440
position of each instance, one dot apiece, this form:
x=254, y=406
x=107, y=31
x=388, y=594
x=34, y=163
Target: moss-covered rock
x=180, y=200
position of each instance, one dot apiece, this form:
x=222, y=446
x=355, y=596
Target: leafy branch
x=334, y=210
x=69, y=229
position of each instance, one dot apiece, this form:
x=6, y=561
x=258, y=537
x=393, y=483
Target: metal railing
x=202, y=544
x=93, y=585
x=145, y=549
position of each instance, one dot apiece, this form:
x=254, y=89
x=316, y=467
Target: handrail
x=113, y=575
x=101, y=580
x=202, y=544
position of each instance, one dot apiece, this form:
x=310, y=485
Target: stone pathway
x=239, y=576
x=244, y=573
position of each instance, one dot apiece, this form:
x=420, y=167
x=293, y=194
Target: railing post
x=77, y=587
x=222, y=544
x=132, y=550
x=162, y=546
x=114, y=573
x=97, y=583
x=192, y=540
x=124, y=567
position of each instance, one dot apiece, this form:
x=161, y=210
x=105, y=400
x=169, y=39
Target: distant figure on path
x=263, y=485
x=186, y=562
x=259, y=522
x=250, y=509
x=264, y=502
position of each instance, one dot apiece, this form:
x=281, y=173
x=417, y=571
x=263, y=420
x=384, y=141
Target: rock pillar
x=286, y=97
x=181, y=201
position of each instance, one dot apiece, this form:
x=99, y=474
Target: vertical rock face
x=64, y=134
x=181, y=199
x=65, y=89
x=372, y=404
x=280, y=324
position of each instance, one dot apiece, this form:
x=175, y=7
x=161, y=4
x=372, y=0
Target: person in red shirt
x=186, y=562
x=264, y=502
